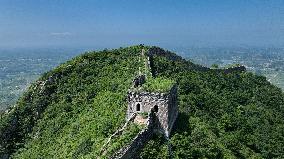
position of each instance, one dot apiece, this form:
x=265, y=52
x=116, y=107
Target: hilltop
x=71, y=111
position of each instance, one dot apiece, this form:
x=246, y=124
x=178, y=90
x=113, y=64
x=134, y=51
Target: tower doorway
x=156, y=109
x=138, y=107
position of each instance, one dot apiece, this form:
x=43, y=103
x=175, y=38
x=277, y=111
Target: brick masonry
x=163, y=104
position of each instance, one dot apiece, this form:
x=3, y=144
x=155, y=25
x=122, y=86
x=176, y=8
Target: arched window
x=138, y=107
x=156, y=108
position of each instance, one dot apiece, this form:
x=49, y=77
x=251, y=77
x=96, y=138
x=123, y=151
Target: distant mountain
x=71, y=111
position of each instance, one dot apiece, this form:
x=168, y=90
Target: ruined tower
x=164, y=105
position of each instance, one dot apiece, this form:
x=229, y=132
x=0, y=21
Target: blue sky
x=112, y=23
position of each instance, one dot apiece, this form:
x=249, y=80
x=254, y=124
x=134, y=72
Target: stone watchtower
x=164, y=105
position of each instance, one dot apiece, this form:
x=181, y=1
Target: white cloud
x=60, y=34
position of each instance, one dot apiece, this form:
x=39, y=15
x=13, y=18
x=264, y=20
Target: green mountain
x=72, y=111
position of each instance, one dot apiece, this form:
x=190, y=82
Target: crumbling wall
x=172, y=109
x=139, y=80
x=166, y=104
x=235, y=69
x=146, y=99
x=132, y=150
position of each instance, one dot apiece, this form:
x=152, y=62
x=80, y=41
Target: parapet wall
x=172, y=109
x=132, y=150
x=235, y=69
x=148, y=63
x=226, y=70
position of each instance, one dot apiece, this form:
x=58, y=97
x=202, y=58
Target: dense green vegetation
x=118, y=142
x=79, y=107
x=235, y=115
x=158, y=85
x=156, y=148
x=83, y=102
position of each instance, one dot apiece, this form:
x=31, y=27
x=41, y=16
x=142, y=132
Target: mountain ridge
x=222, y=114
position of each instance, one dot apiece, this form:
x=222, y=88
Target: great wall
x=162, y=110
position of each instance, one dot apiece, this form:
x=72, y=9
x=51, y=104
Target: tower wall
x=166, y=104
x=172, y=108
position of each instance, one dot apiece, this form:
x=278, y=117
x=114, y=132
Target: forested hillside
x=221, y=115
x=72, y=110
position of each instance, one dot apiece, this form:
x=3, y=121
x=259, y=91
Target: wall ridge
x=161, y=108
x=138, y=142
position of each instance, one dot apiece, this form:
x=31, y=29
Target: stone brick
x=164, y=105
